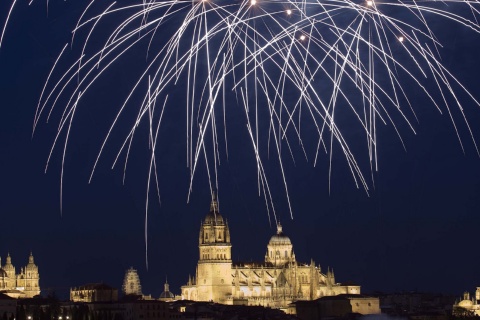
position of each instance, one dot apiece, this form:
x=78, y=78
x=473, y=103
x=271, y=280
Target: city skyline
x=416, y=230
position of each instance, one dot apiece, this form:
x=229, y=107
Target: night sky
x=417, y=229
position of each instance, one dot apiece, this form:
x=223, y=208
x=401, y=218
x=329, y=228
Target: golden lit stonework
x=275, y=282
x=22, y=285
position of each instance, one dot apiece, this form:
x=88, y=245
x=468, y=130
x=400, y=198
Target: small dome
x=31, y=264
x=465, y=303
x=280, y=238
x=31, y=267
x=214, y=217
x=167, y=295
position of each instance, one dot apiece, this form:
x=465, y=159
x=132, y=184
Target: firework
x=291, y=71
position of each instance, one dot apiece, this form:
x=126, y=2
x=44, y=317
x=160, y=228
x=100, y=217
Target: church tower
x=214, y=270
x=131, y=283
x=30, y=279
x=9, y=268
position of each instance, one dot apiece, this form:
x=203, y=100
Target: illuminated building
x=468, y=306
x=94, y=292
x=275, y=282
x=131, y=283
x=336, y=307
x=22, y=285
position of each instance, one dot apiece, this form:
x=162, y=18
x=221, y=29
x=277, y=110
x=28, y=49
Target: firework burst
x=279, y=66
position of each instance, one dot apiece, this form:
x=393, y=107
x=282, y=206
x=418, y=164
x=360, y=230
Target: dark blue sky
x=418, y=228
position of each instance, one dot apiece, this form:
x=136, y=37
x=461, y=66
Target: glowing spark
x=220, y=55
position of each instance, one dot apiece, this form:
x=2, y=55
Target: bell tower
x=30, y=279
x=214, y=270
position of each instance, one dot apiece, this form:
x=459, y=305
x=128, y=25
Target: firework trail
x=292, y=72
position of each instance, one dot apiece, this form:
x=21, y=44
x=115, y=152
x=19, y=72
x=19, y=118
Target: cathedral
x=22, y=285
x=275, y=282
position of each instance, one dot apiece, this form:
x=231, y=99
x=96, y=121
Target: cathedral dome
x=465, y=303
x=166, y=294
x=280, y=238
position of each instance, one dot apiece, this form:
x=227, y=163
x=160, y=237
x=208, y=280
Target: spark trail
x=279, y=66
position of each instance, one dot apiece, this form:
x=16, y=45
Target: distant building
x=131, y=283
x=190, y=310
x=338, y=306
x=275, y=282
x=413, y=304
x=151, y=310
x=468, y=306
x=8, y=306
x=22, y=285
x=94, y=292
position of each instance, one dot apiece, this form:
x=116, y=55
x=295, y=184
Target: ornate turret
x=214, y=229
x=31, y=267
x=9, y=268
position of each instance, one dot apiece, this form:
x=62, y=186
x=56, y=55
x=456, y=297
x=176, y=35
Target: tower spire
x=166, y=287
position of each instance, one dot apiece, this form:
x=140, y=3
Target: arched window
x=286, y=254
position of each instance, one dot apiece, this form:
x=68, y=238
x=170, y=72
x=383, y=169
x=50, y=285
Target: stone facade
x=22, y=285
x=339, y=306
x=275, y=282
x=131, y=283
x=468, y=306
x=94, y=292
